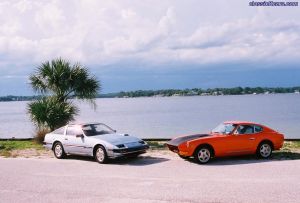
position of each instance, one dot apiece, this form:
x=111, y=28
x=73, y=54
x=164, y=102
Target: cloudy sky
x=153, y=44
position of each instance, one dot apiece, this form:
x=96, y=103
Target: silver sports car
x=93, y=139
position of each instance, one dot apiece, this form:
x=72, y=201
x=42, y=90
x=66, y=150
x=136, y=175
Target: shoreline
x=158, y=96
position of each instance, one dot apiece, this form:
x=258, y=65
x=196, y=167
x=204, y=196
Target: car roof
x=242, y=122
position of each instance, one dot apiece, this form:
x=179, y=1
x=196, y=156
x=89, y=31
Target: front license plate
x=131, y=144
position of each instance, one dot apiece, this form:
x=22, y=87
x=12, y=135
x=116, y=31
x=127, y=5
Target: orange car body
x=229, y=144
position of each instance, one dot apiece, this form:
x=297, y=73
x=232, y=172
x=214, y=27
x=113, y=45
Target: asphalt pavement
x=151, y=178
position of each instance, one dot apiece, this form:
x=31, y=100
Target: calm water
x=171, y=116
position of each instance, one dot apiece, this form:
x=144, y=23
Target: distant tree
x=59, y=81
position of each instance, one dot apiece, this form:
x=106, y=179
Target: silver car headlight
x=120, y=146
x=142, y=142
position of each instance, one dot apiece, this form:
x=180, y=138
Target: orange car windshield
x=224, y=128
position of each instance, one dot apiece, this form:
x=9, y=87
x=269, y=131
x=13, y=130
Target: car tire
x=59, y=151
x=202, y=155
x=101, y=155
x=264, y=150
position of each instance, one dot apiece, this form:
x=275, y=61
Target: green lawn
x=290, y=150
x=7, y=146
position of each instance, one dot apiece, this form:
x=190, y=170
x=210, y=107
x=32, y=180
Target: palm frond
x=50, y=113
x=62, y=81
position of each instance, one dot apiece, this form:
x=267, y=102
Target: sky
x=157, y=44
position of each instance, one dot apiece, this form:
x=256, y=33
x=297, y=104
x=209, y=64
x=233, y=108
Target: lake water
x=166, y=117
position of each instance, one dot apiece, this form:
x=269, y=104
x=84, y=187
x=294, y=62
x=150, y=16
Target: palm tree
x=50, y=113
x=65, y=81
x=59, y=81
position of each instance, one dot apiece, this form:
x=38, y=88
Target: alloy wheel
x=100, y=154
x=204, y=155
x=58, y=150
x=265, y=150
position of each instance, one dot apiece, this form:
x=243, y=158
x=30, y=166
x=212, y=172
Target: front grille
x=131, y=150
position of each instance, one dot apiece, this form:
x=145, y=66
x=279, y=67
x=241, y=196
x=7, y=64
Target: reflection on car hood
x=179, y=140
x=116, y=138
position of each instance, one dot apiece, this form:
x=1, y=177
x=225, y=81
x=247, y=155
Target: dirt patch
x=40, y=154
x=151, y=154
x=31, y=153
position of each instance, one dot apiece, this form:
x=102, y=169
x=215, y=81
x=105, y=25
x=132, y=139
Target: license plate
x=131, y=144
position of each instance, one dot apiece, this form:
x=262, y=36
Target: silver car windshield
x=96, y=129
x=224, y=128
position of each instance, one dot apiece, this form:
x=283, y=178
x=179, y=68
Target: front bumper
x=176, y=150
x=173, y=148
x=47, y=145
x=122, y=152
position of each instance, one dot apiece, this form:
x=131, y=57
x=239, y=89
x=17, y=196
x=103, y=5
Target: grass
x=291, y=145
x=6, y=147
x=290, y=149
x=157, y=144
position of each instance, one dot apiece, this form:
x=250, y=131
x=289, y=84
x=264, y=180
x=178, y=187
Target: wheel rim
x=204, y=155
x=100, y=154
x=265, y=150
x=58, y=150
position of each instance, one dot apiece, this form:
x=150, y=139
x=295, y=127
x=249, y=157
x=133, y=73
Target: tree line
x=179, y=92
x=204, y=92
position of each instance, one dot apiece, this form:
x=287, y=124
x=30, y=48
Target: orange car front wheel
x=202, y=155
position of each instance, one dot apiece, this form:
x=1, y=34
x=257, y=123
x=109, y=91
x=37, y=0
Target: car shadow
x=250, y=159
x=138, y=161
x=134, y=161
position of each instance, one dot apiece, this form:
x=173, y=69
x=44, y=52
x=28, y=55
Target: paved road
x=148, y=179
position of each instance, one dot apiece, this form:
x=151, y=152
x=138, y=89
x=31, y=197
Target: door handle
x=251, y=138
x=66, y=138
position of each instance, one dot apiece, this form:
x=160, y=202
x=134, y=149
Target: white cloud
x=108, y=32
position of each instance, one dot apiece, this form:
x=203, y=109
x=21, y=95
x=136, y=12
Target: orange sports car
x=228, y=139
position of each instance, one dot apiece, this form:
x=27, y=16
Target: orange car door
x=241, y=141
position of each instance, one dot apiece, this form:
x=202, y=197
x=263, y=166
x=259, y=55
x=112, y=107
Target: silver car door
x=74, y=143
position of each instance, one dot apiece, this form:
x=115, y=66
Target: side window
x=245, y=129
x=72, y=130
x=257, y=129
x=59, y=131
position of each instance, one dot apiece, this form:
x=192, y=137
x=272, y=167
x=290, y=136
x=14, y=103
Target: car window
x=245, y=129
x=257, y=129
x=224, y=128
x=60, y=130
x=73, y=130
x=97, y=129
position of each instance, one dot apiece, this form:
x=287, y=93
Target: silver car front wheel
x=100, y=155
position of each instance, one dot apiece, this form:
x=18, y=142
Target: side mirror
x=79, y=135
x=115, y=131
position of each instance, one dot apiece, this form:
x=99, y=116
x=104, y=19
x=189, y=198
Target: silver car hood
x=116, y=138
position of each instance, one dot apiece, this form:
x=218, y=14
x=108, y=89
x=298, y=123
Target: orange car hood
x=178, y=140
